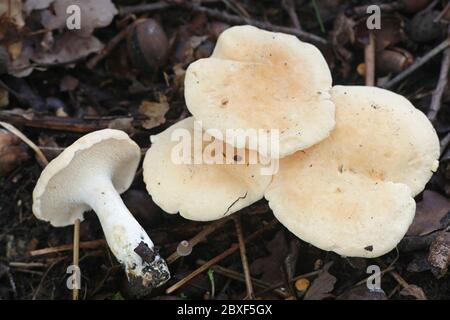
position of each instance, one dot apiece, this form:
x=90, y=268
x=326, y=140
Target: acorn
x=423, y=28
x=393, y=60
x=148, y=46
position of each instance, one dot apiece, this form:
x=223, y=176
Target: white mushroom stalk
x=91, y=174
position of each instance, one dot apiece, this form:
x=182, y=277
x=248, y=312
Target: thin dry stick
x=443, y=12
x=43, y=160
x=201, y=236
x=289, y=6
x=123, y=11
x=234, y=247
x=369, y=60
x=436, y=98
x=112, y=44
x=76, y=256
x=394, y=274
x=235, y=275
x=419, y=63
x=243, y=251
x=67, y=247
x=234, y=19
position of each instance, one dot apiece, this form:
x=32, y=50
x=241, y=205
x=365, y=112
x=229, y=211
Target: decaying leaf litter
x=56, y=85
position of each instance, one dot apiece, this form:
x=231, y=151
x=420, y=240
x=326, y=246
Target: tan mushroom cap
x=60, y=193
x=201, y=192
x=257, y=79
x=353, y=192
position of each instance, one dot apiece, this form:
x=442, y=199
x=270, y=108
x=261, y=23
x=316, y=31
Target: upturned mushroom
x=256, y=79
x=201, y=189
x=91, y=174
x=353, y=192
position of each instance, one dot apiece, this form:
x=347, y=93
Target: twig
x=78, y=125
x=394, y=274
x=235, y=275
x=388, y=269
x=112, y=44
x=233, y=248
x=126, y=10
x=67, y=247
x=21, y=136
x=234, y=19
x=243, y=251
x=76, y=256
x=436, y=98
x=289, y=6
x=369, y=60
x=201, y=236
x=42, y=279
x=443, y=12
x=385, y=7
x=419, y=63
x=27, y=264
x=444, y=142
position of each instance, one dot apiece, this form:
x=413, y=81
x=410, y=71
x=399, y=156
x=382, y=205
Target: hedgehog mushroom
x=353, y=192
x=201, y=189
x=256, y=79
x=91, y=174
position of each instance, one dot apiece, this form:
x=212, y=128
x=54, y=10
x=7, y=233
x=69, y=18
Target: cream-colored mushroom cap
x=263, y=80
x=197, y=190
x=353, y=192
x=60, y=195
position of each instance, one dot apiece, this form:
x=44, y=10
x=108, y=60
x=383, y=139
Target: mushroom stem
x=127, y=240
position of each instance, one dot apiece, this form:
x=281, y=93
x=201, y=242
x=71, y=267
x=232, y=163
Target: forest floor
x=54, y=90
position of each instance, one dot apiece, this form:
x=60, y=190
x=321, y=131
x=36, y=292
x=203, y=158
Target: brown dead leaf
x=322, y=285
x=269, y=267
x=413, y=291
x=12, y=152
x=13, y=10
x=439, y=256
x=429, y=213
x=155, y=112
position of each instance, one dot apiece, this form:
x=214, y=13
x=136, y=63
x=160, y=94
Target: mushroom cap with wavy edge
x=201, y=192
x=60, y=193
x=353, y=192
x=256, y=79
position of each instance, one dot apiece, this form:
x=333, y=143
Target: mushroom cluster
x=351, y=158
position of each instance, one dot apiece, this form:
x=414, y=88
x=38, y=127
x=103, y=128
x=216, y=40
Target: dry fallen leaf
x=361, y=292
x=439, y=256
x=68, y=48
x=12, y=152
x=413, y=291
x=95, y=13
x=429, y=214
x=13, y=10
x=155, y=112
x=31, y=5
x=269, y=267
x=322, y=285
